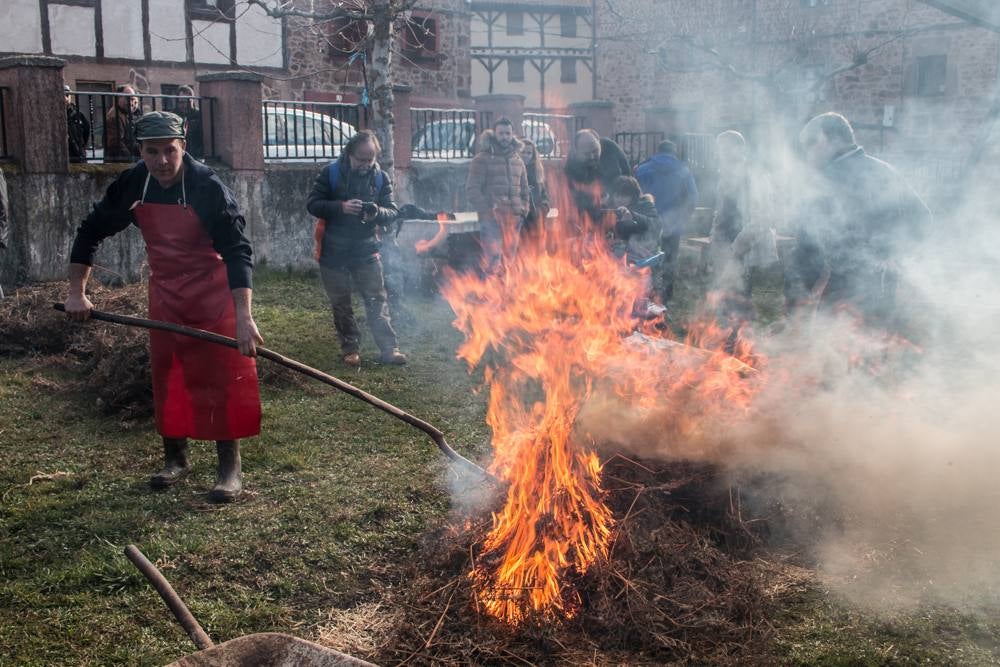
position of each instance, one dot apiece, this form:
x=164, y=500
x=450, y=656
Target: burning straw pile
x=588, y=561
x=680, y=582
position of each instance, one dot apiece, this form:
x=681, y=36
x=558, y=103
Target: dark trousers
x=670, y=245
x=366, y=275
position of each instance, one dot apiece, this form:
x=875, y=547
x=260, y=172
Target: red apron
x=200, y=390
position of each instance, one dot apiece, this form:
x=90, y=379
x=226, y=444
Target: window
x=932, y=75
x=515, y=23
x=515, y=70
x=212, y=10
x=567, y=25
x=420, y=36
x=567, y=72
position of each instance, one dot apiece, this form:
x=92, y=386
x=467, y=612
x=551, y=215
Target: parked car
x=445, y=139
x=294, y=134
x=455, y=138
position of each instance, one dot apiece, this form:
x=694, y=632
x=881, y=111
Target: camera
x=368, y=209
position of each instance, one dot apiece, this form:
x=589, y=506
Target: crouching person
x=200, y=265
x=636, y=229
x=354, y=196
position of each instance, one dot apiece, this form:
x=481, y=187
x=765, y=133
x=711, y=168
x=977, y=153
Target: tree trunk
x=380, y=82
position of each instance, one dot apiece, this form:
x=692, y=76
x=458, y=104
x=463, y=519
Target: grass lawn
x=338, y=494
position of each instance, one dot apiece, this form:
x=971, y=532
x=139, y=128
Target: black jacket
x=78, y=130
x=865, y=218
x=589, y=184
x=212, y=201
x=349, y=236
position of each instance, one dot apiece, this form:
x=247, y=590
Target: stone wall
x=47, y=208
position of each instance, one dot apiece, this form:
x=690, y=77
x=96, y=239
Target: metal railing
x=101, y=125
x=309, y=131
x=698, y=151
x=447, y=134
x=4, y=154
x=638, y=146
x=552, y=134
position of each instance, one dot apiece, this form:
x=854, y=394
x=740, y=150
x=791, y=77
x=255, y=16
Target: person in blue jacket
x=669, y=180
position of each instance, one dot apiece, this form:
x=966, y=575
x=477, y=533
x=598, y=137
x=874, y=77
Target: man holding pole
x=200, y=276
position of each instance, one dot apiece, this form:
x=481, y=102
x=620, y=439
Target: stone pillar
x=598, y=115
x=402, y=137
x=236, y=125
x=237, y=130
x=502, y=106
x=35, y=113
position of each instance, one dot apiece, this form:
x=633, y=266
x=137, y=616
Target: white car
x=292, y=134
x=446, y=139
x=455, y=138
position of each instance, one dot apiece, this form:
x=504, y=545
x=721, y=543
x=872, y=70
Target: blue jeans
x=492, y=239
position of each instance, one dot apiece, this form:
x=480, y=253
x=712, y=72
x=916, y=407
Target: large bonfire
x=554, y=325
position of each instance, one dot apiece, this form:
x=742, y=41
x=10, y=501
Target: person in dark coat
x=637, y=224
x=189, y=111
x=356, y=202
x=851, y=237
x=670, y=181
x=201, y=266
x=119, y=127
x=538, y=205
x=592, y=166
x=77, y=128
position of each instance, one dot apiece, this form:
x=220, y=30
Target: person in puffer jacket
x=497, y=188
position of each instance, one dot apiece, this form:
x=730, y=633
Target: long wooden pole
x=435, y=434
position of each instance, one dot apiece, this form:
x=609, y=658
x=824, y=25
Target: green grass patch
x=338, y=495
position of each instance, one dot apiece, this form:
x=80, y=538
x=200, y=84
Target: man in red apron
x=200, y=276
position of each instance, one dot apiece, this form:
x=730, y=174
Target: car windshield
x=445, y=135
x=290, y=128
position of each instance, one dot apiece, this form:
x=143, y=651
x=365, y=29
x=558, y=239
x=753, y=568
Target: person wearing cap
x=200, y=276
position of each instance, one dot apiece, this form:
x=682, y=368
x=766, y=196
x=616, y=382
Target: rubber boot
x=175, y=464
x=229, y=483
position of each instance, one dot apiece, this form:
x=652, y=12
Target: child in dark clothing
x=636, y=233
x=637, y=229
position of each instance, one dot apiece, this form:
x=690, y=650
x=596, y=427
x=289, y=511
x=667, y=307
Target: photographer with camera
x=353, y=199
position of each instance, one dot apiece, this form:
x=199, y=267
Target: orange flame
x=554, y=324
x=423, y=245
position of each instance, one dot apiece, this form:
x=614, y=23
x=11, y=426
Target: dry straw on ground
x=111, y=360
x=682, y=584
